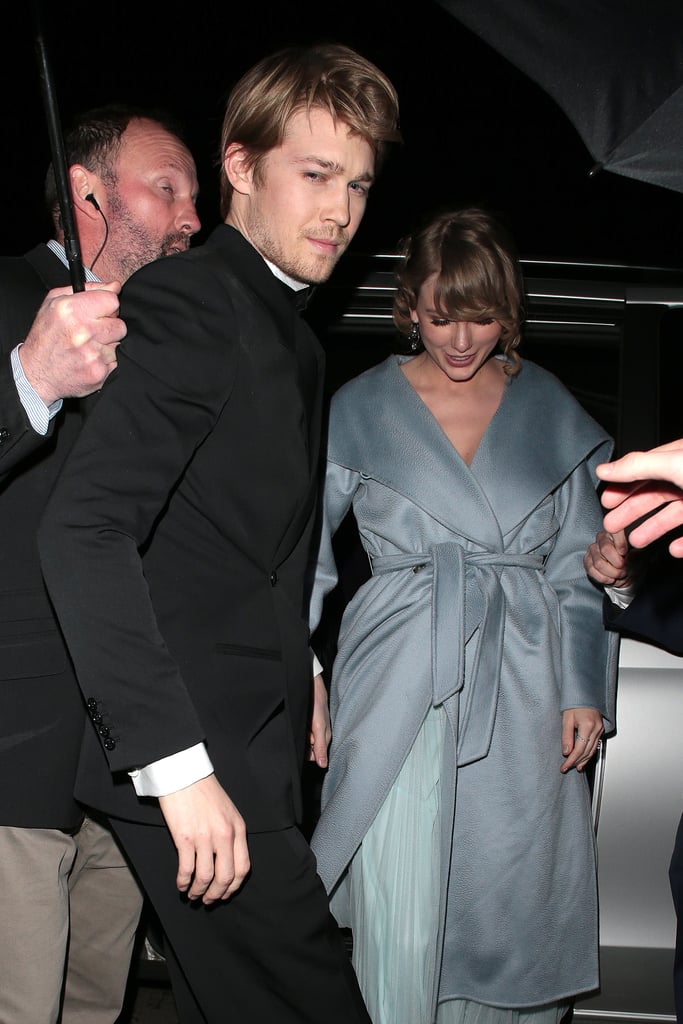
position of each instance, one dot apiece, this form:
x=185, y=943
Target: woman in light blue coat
x=474, y=678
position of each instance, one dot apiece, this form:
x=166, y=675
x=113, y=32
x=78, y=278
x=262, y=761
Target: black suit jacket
x=41, y=708
x=177, y=541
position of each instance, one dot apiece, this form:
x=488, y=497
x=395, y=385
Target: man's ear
x=83, y=183
x=238, y=168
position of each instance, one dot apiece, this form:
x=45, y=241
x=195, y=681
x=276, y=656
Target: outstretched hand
x=211, y=839
x=645, y=484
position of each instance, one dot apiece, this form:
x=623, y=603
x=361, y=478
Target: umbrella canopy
x=615, y=68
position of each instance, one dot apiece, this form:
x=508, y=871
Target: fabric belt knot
x=466, y=597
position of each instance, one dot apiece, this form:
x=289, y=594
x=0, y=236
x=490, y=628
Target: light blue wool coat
x=478, y=602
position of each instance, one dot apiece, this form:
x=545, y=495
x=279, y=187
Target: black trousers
x=676, y=879
x=272, y=954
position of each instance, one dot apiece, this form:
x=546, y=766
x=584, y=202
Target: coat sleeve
x=175, y=373
x=589, y=652
x=340, y=486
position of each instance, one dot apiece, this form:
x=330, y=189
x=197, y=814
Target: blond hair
x=331, y=77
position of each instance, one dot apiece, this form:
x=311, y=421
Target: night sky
x=475, y=129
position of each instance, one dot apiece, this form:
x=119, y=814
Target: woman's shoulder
x=545, y=396
x=532, y=373
x=536, y=379
x=363, y=411
x=371, y=383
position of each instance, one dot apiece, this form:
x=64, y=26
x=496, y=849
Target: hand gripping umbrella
x=61, y=171
x=614, y=68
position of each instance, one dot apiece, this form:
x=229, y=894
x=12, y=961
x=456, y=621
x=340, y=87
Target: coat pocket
x=31, y=645
x=31, y=658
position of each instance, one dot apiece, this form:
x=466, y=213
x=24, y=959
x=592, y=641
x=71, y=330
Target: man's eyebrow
x=172, y=165
x=333, y=166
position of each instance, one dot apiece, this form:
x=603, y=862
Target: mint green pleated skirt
x=393, y=888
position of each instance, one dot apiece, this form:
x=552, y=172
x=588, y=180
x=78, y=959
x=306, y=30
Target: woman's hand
x=321, y=731
x=581, y=732
x=606, y=560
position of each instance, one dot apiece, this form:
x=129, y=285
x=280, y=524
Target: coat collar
x=247, y=264
x=381, y=428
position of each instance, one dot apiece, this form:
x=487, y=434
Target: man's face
x=150, y=206
x=305, y=206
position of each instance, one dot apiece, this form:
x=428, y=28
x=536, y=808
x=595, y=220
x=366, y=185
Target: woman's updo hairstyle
x=477, y=272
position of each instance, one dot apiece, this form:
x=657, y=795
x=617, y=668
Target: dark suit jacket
x=177, y=541
x=41, y=708
x=656, y=612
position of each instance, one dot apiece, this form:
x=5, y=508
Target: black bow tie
x=303, y=296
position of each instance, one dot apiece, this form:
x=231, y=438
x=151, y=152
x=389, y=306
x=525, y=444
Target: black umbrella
x=614, y=67
x=59, y=163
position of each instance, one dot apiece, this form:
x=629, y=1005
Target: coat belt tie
x=466, y=597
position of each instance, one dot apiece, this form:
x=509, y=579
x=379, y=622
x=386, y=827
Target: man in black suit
x=644, y=596
x=69, y=905
x=177, y=546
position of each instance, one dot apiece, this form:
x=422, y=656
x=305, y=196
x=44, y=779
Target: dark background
x=475, y=128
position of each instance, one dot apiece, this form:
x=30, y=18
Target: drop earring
x=414, y=336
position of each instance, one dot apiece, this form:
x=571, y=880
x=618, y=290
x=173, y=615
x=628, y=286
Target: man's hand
x=634, y=490
x=321, y=733
x=606, y=559
x=211, y=839
x=71, y=347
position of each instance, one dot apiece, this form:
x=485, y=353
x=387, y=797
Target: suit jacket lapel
x=48, y=267
x=248, y=266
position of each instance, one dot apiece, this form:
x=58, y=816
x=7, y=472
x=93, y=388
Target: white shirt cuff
x=621, y=596
x=39, y=414
x=169, y=774
x=317, y=667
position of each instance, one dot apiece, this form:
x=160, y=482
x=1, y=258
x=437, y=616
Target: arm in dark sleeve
x=18, y=439
x=656, y=612
x=174, y=376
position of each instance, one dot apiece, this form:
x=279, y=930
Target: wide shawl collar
x=540, y=433
x=381, y=429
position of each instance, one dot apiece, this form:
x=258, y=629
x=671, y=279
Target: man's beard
x=131, y=244
x=309, y=269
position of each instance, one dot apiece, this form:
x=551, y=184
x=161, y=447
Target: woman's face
x=459, y=348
